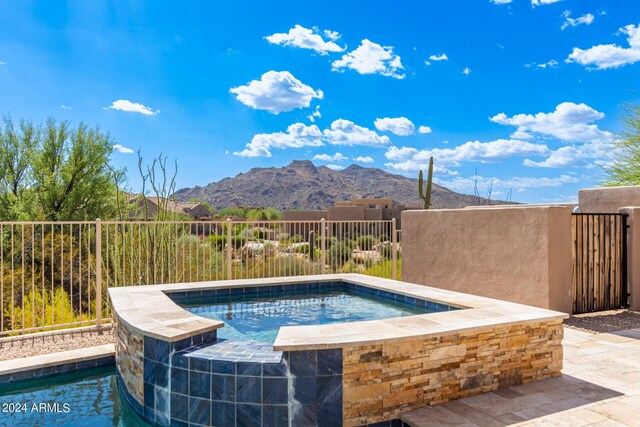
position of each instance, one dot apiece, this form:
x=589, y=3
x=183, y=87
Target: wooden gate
x=599, y=261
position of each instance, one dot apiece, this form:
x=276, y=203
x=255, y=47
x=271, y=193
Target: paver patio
x=600, y=386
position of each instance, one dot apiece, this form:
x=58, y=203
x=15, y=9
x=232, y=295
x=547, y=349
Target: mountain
x=302, y=185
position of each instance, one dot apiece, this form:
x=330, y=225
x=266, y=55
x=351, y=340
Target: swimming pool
x=86, y=398
x=259, y=317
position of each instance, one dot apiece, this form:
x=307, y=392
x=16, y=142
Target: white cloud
x=440, y=57
x=276, y=92
x=335, y=167
x=332, y=35
x=305, y=38
x=610, y=55
x=312, y=116
x=574, y=22
x=466, y=71
x=297, y=135
x=363, y=159
x=371, y=58
x=519, y=134
x=424, y=129
x=587, y=156
x=132, y=107
x=399, y=125
x=345, y=132
x=412, y=167
x=501, y=1
x=338, y=157
x=122, y=149
x=65, y=107
x=569, y=122
x=549, y=64
x=535, y=3
x=519, y=184
x=469, y=151
x=3, y=63
x=342, y=132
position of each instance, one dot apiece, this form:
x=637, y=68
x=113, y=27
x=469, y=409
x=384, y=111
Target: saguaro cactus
x=426, y=195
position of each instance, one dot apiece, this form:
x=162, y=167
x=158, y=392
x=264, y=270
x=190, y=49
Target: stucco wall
x=304, y=215
x=608, y=199
x=518, y=254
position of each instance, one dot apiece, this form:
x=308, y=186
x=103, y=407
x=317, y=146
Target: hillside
x=302, y=185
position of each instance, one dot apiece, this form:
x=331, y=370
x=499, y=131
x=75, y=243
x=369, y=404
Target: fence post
x=229, y=248
x=323, y=246
x=394, y=249
x=98, y=272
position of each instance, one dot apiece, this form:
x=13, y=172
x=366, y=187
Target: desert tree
x=624, y=167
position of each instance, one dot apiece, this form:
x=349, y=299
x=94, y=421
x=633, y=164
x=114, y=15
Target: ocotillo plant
x=426, y=196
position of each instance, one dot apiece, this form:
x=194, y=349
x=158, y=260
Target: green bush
x=297, y=238
x=383, y=269
x=301, y=249
x=366, y=242
x=260, y=234
x=219, y=242
x=339, y=254
x=45, y=310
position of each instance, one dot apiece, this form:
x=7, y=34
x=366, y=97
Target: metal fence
x=54, y=275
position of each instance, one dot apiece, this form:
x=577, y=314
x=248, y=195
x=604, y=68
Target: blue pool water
x=260, y=317
x=86, y=398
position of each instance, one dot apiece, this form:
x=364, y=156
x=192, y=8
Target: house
x=355, y=210
x=194, y=210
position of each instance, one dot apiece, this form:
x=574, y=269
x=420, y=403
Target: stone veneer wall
x=130, y=359
x=380, y=381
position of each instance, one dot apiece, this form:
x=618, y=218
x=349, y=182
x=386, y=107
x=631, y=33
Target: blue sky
x=528, y=93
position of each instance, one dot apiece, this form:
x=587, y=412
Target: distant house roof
x=169, y=205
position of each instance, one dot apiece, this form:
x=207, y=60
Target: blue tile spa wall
x=205, y=382
x=231, y=294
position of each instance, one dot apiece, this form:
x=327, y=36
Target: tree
x=16, y=154
x=625, y=167
x=55, y=172
x=72, y=174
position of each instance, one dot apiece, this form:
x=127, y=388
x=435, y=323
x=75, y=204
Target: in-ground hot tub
x=319, y=350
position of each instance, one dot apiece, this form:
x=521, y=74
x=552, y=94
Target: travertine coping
x=54, y=359
x=149, y=310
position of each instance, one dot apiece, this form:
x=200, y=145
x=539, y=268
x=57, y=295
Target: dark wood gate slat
x=599, y=260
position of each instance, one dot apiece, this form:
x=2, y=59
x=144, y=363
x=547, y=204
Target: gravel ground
x=604, y=321
x=31, y=346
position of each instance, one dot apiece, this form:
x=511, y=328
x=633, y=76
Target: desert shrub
x=246, y=234
x=301, y=249
x=297, y=238
x=218, y=241
x=366, y=242
x=383, y=269
x=387, y=252
x=232, y=213
x=260, y=234
x=44, y=309
x=338, y=254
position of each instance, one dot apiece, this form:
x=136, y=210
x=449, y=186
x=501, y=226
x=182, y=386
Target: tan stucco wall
x=346, y=213
x=304, y=215
x=516, y=254
x=608, y=199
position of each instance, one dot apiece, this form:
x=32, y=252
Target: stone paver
x=600, y=386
